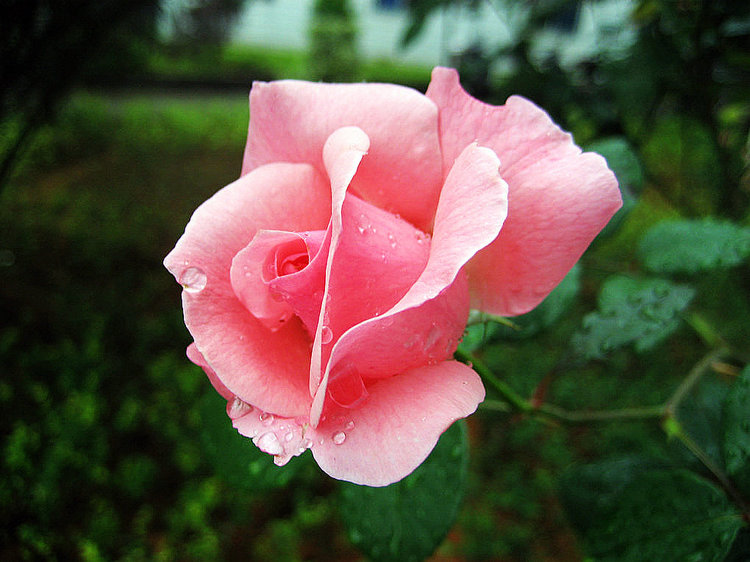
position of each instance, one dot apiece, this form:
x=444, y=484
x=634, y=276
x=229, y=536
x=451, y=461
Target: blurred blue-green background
x=118, y=118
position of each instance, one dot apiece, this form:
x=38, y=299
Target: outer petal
x=290, y=121
x=396, y=428
x=559, y=199
x=264, y=368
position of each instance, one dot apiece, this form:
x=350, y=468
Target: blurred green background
x=112, y=133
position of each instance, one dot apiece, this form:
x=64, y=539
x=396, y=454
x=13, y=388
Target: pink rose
x=328, y=287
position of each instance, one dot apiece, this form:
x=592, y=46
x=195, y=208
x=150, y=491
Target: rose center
x=291, y=263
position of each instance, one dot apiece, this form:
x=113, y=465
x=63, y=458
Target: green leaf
x=654, y=514
x=409, y=519
x=641, y=312
x=590, y=493
x=234, y=457
x=690, y=246
x=699, y=416
x=681, y=157
x=736, y=425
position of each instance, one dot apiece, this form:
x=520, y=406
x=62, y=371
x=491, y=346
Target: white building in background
x=601, y=27
x=381, y=25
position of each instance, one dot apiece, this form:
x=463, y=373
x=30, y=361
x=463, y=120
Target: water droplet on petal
x=392, y=240
x=339, y=437
x=239, y=408
x=193, y=280
x=266, y=419
x=306, y=444
x=269, y=443
x=350, y=426
x=326, y=335
x=433, y=336
x=289, y=436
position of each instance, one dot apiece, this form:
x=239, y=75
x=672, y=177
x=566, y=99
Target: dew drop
x=269, y=443
x=193, y=279
x=392, y=240
x=433, y=336
x=326, y=335
x=306, y=444
x=350, y=426
x=289, y=436
x=266, y=419
x=339, y=437
x=239, y=408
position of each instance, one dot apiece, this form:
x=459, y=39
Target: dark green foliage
x=48, y=47
x=205, y=24
x=690, y=246
x=736, y=431
x=656, y=514
x=333, y=42
x=234, y=457
x=408, y=520
x=641, y=312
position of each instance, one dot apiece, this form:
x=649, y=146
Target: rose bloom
x=327, y=289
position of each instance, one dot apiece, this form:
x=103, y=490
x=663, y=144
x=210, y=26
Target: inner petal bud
x=271, y=255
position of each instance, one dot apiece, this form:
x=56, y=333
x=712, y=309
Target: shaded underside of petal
x=291, y=121
x=394, y=431
x=559, y=198
x=264, y=368
x=196, y=357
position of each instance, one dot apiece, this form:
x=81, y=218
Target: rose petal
x=426, y=324
x=559, y=199
x=402, y=170
x=394, y=430
x=266, y=369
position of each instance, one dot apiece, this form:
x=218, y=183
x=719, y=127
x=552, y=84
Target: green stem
x=674, y=428
x=564, y=415
x=705, y=330
x=700, y=369
x=506, y=392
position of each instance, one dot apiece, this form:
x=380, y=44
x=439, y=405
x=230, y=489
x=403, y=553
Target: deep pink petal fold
x=290, y=121
x=374, y=259
x=427, y=323
x=264, y=368
x=559, y=199
x=394, y=430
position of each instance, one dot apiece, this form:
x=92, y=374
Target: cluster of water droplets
x=285, y=438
